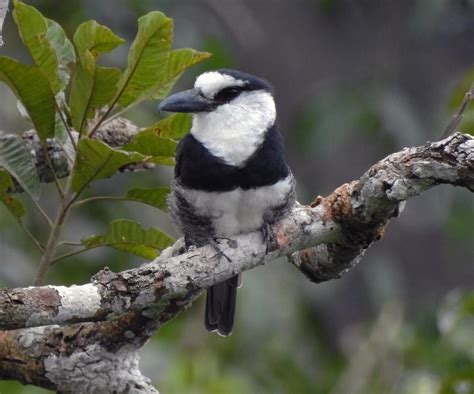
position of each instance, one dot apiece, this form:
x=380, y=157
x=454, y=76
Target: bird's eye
x=227, y=94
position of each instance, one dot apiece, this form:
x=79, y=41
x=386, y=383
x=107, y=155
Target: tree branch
x=322, y=240
x=116, y=134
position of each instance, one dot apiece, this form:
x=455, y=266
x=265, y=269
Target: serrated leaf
x=175, y=126
x=16, y=159
x=179, y=60
x=31, y=87
x=11, y=203
x=130, y=236
x=64, y=51
x=155, y=197
x=33, y=30
x=92, y=86
x=96, y=160
x=149, y=144
x=148, y=56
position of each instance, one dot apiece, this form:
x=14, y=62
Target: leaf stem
x=122, y=111
x=70, y=254
x=50, y=165
x=68, y=130
x=42, y=212
x=70, y=243
x=109, y=110
x=98, y=198
x=30, y=235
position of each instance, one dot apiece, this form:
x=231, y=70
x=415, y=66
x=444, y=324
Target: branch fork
x=59, y=337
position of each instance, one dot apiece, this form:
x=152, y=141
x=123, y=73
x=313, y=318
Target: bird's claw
x=215, y=244
x=266, y=236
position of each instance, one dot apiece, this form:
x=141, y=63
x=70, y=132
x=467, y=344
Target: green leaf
x=12, y=204
x=179, y=60
x=92, y=86
x=16, y=159
x=91, y=91
x=155, y=197
x=105, y=86
x=32, y=88
x=148, y=56
x=64, y=51
x=130, y=236
x=94, y=39
x=148, y=143
x=96, y=160
x=33, y=30
x=175, y=126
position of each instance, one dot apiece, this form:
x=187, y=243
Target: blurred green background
x=355, y=81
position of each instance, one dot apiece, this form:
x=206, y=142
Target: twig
x=111, y=107
x=53, y=171
x=121, y=112
x=42, y=212
x=70, y=243
x=68, y=130
x=30, y=235
x=70, y=254
x=101, y=198
x=54, y=236
x=459, y=115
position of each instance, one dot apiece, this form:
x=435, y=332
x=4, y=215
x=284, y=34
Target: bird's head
x=219, y=89
x=232, y=112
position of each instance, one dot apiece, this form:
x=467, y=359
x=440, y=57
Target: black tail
x=220, y=306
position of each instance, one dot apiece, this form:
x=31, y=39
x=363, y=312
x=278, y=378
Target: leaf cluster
x=68, y=96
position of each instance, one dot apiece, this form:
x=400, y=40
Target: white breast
x=238, y=211
x=234, y=131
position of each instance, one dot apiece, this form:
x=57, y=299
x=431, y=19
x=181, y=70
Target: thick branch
x=337, y=229
x=122, y=310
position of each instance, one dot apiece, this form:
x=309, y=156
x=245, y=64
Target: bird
x=231, y=176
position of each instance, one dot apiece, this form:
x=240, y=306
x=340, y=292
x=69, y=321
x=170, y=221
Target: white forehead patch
x=212, y=82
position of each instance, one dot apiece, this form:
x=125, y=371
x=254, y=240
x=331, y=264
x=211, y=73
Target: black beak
x=188, y=101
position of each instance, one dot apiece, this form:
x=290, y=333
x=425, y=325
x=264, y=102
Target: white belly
x=238, y=211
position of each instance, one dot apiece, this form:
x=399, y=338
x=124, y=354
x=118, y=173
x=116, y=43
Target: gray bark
x=99, y=327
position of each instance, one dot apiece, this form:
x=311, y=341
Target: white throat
x=234, y=131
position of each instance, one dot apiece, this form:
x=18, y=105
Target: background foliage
x=354, y=81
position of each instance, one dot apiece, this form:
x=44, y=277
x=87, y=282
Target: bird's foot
x=267, y=237
x=213, y=241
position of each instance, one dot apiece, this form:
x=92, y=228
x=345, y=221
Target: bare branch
x=459, y=115
x=120, y=311
x=337, y=229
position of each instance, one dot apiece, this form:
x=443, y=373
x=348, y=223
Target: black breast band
x=197, y=168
